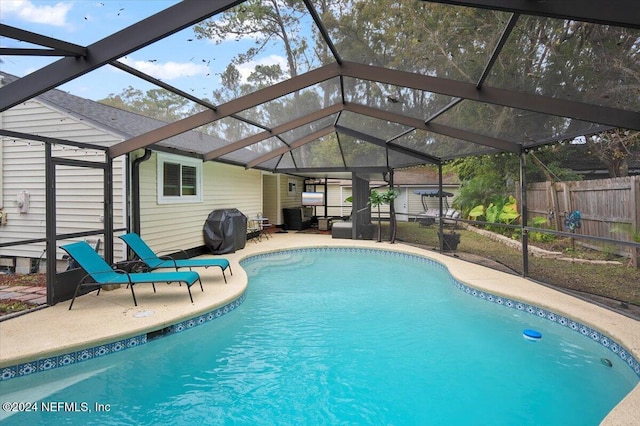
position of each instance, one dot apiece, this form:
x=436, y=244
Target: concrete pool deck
x=111, y=316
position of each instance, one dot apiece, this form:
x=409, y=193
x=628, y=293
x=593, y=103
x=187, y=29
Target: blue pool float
x=532, y=334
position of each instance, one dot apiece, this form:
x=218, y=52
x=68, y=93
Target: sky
x=180, y=60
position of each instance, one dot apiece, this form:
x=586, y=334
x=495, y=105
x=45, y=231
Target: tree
x=563, y=59
x=483, y=179
x=160, y=104
x=486, y=178
x=265, y=22
x=377, y=199
x=614, y=148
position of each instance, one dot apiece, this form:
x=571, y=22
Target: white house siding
x=270, y=198
x=336, y=195
x=179, y=226
x=79, y=190
x=291, y=199
x=23, y=170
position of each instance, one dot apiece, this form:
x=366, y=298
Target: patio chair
x=253, y=230
x=102, y=274
x=153, y=261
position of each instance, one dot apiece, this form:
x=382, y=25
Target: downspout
x=135, y=190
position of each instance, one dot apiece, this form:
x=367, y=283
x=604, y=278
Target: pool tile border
x=82, y=355
x=576, y=326
x=75, y=357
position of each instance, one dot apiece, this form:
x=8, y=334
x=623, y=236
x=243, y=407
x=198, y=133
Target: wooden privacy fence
x=610, y=208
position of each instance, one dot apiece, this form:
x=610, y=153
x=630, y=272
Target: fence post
x=552, y=196
x=566, y=195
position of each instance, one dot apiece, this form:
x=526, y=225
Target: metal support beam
x=388, y=145
x=323, y=31
x=143, y=33
x=359, y=170
x=620, y=13
x=523, y=214
x=360, y=135
x=413, y=153
x=278, y=130
x=50, y=223
x=52, y=141
x=494, y=56
x=126, y=68
x=442, y=110
x=6, y=51
x=66, y=49
x=50, y=213
x=440, y=207
x=232, y=107
x=440, y=129
x=108, y=210
x=526, y=101
x=297, y=144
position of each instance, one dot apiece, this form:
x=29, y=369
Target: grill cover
x=225, y=231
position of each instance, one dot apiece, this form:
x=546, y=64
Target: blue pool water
x=342, y=337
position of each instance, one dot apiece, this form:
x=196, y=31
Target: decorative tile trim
x=204, y=318
x=586, y=331
x=81, y=355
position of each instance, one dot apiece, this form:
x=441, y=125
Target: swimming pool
x=345, y=344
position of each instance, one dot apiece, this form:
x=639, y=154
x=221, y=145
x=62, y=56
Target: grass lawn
x=12, y=306
x=618, y=282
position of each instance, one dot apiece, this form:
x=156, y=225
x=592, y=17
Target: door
x=401, y=205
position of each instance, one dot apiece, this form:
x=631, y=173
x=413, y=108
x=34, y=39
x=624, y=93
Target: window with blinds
x=179, y=179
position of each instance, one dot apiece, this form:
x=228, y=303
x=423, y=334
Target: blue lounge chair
x=153, y=261
x=103, y=274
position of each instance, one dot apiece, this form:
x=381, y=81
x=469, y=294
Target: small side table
x=324, y=223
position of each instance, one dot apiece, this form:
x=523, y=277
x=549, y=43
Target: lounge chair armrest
x=169, y=258
x=82, y=280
